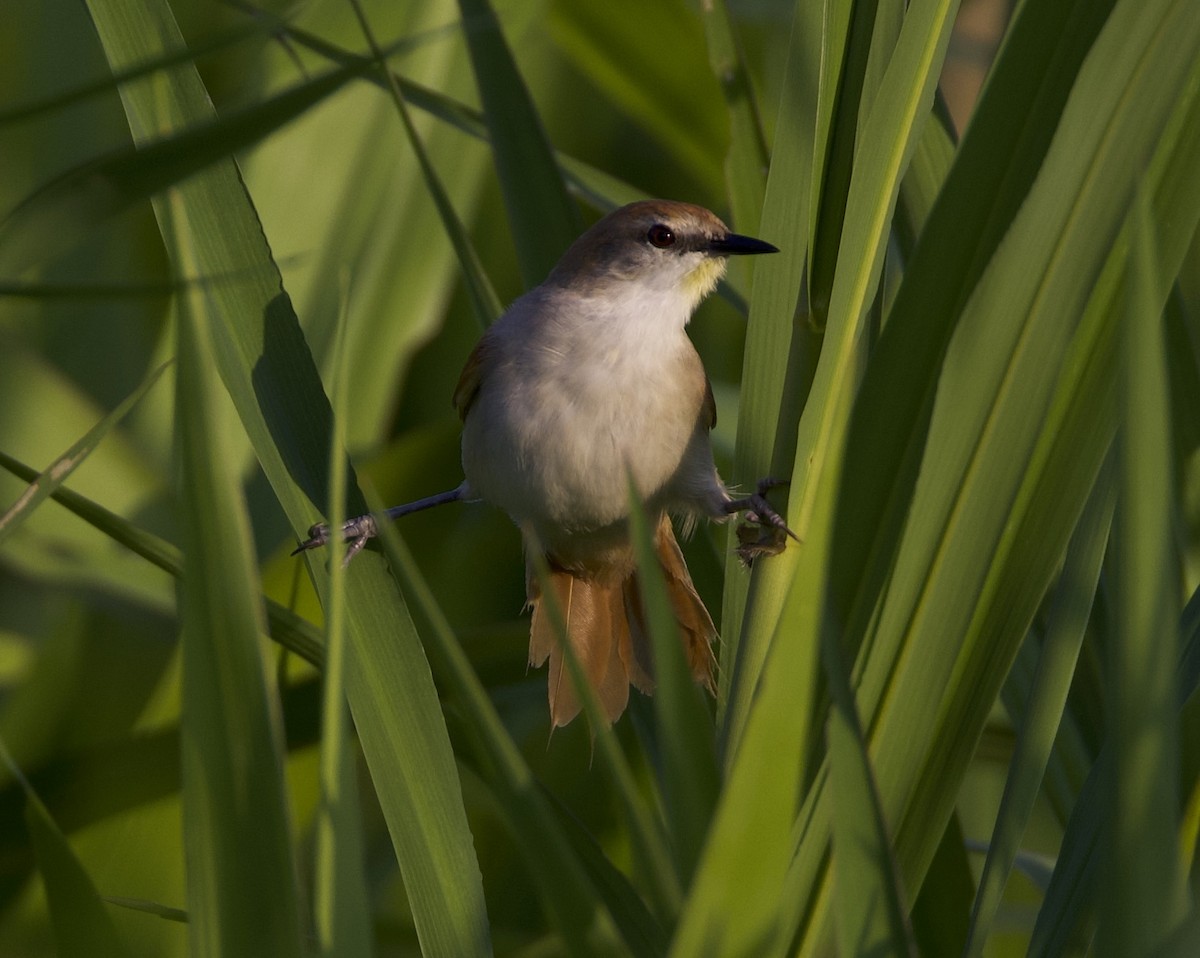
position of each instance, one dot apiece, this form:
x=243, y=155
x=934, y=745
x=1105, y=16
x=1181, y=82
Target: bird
x=587, y=382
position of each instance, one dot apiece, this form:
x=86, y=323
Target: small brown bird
x=585, y=380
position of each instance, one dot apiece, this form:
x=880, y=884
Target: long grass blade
x=57, y=472
x=1047, y=700
x=342, y=919
x=568, y=894
x=846, y=45
x=1018, y=578
x=236, y=818
x=483, y=297
x=688, y=777
x=748, y=160
x=650, y=848
x=270, y=375
x=82, y=925
x=214, y=43
x=996, y=164
x=53, y=218
x=1067, y=916
x=870, y=906
x=907, y=685
x=780, y=354
x=601, y=189
x=1142, y=889
x=544, y=221
x=288, y=629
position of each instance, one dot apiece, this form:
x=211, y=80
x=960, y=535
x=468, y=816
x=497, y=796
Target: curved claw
x=318, y=535
x=759, y=509
x=765, y=532
x=355, y=531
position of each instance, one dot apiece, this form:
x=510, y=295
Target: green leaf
x=944, y=637
x=870, y=911
x=214, y=43
x=665, y=102
x=269, y=373
x=786, y=675
x=649, y=848
x=1142, y=890
x=81, y=923
x=846, y=45
x=941, y=915
x=146, y=907
x=887, y=141
x=342, y=918
x=780, y=354
x=1039, y=723
x=57, y=472
x=543, y=219
x=585, y=915
x=991, y=175
x=1066, y=917
x=598, y=187
x=287, y=628
x=236, y=819
x=52, y=219
x=749, y=159
x=483, y=297
x=1050, y=488
x=688, y=777
x=642, y=933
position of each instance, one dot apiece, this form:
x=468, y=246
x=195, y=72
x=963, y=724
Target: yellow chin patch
x=703, y=279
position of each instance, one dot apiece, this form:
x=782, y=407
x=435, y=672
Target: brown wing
x=469, y=380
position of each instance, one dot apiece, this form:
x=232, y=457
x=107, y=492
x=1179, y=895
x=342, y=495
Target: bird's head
x=661, y=245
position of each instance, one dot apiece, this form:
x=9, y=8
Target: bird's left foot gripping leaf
x=764, y=533
x=355, y=531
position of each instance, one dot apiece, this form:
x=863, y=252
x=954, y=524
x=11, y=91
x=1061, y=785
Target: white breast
x=576, y=393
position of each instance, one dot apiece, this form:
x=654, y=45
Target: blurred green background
x=93, y=286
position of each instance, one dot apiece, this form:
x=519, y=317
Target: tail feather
x=596, y=626
x=696, y=625
x=607, y=631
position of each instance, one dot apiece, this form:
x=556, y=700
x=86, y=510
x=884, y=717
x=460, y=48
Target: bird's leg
x=358, y=530
x=765, y=534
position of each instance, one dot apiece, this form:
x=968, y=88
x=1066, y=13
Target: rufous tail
x=606, y=628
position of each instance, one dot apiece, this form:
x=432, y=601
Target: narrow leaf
x=483, y=297
x=1143, y=890
x=780, y=354
x=269, y=373
x=649, y=848
x=870, y=911
x=586, y=916
x=748, y=160
x=544, y=221
x=992, y=172
x=236, y=822
x=81, y=923
x=287, y=628
x=342, y=917
x=688, y=778
x=57, y=472
x=51, y=220
x=1047, y=700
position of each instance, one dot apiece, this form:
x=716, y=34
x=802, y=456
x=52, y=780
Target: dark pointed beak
x=732, y=244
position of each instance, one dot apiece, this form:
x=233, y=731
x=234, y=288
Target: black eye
x=661, y=236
